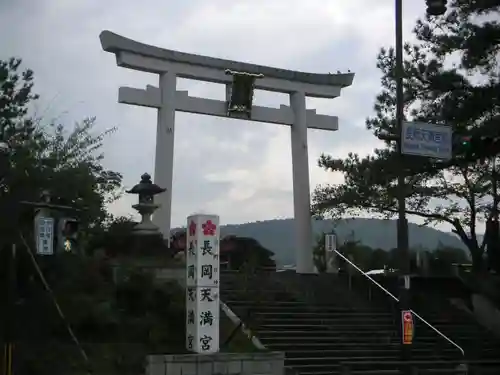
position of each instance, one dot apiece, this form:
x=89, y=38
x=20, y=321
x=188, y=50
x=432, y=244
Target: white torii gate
x=170, y=65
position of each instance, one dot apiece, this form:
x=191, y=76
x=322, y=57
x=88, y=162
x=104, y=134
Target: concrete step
x=363, y=348
x=452, y=326
x=336, y=369
x=300, y=306
x=304, y=346
x=437, y=319
x=317, y=341
x=461, y=338
x=351, y=327
x=344, y=316
x=387, y=367
x=233, y=300
x=383, y=338
x=326, y=333
x=265, y=319
x=295, y=361
x=345, y=313
x=422, y=365
x=273, y=304
x=356, y=372
x=255, y=295
x=354, y=352
x=231, y=288
x=460, y=332
x=362, y=327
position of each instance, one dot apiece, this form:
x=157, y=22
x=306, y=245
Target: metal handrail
x=397, y=300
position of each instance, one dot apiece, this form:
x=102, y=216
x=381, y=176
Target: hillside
x=277, y=235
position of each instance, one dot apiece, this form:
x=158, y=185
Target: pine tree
x=452, y=77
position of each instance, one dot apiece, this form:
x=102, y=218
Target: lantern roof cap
x=146, y=187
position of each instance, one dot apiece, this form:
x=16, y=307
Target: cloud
x=241, y=170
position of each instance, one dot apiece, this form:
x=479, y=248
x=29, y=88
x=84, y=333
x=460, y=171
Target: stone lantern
x=146, y=190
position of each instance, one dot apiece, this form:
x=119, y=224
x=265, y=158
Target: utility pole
x=434, y=8
x=402, y=222
x=396, y=135
x=402, y=239
x=9, y=327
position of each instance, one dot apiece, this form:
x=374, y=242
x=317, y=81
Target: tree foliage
x=48, y=157
x=116, y=321
x=440, y=260
x=236, y=252
x=116, y=238
x=248, y=253
x=451, y=76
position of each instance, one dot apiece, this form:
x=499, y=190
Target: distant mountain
x=278, y=235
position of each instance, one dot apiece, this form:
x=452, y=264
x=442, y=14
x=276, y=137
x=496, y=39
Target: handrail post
x=350, y=271
x=404, y=306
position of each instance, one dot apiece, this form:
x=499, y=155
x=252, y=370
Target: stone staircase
x=321, y=325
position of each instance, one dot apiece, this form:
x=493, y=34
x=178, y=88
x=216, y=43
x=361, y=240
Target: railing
x=397, y=300
x=239, y=325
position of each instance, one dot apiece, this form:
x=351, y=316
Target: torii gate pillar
x=164, y=155
x=170, y=65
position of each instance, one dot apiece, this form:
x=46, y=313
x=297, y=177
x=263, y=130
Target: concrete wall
x=271, y=363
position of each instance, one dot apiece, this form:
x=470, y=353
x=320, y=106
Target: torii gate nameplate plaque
x=170, y=65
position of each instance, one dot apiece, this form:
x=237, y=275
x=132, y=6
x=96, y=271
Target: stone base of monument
x=270, y=363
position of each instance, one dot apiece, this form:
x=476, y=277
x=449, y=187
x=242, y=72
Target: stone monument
x=240, y=80
x=202, y=284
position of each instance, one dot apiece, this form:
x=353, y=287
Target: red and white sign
x=408, y=327
x=407, y=316
x=202, y=284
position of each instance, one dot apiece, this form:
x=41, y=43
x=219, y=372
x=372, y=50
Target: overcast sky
x=239, y=170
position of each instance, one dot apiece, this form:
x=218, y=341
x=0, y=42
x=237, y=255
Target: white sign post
x=202, y=284
x=45, y=235
x=425, y=139
x=330, y=255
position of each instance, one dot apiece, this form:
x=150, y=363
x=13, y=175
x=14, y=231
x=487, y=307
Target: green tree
x=117, y=323
x=43, y=157
x=359, y=253
x=48, y=157
x=248, y=253
x=379, y=259
x=441, y=260
x=438, y=89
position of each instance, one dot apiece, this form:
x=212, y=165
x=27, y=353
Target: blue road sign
x=429, y=140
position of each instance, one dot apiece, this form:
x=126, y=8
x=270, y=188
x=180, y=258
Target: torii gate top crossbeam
x=140, y=56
